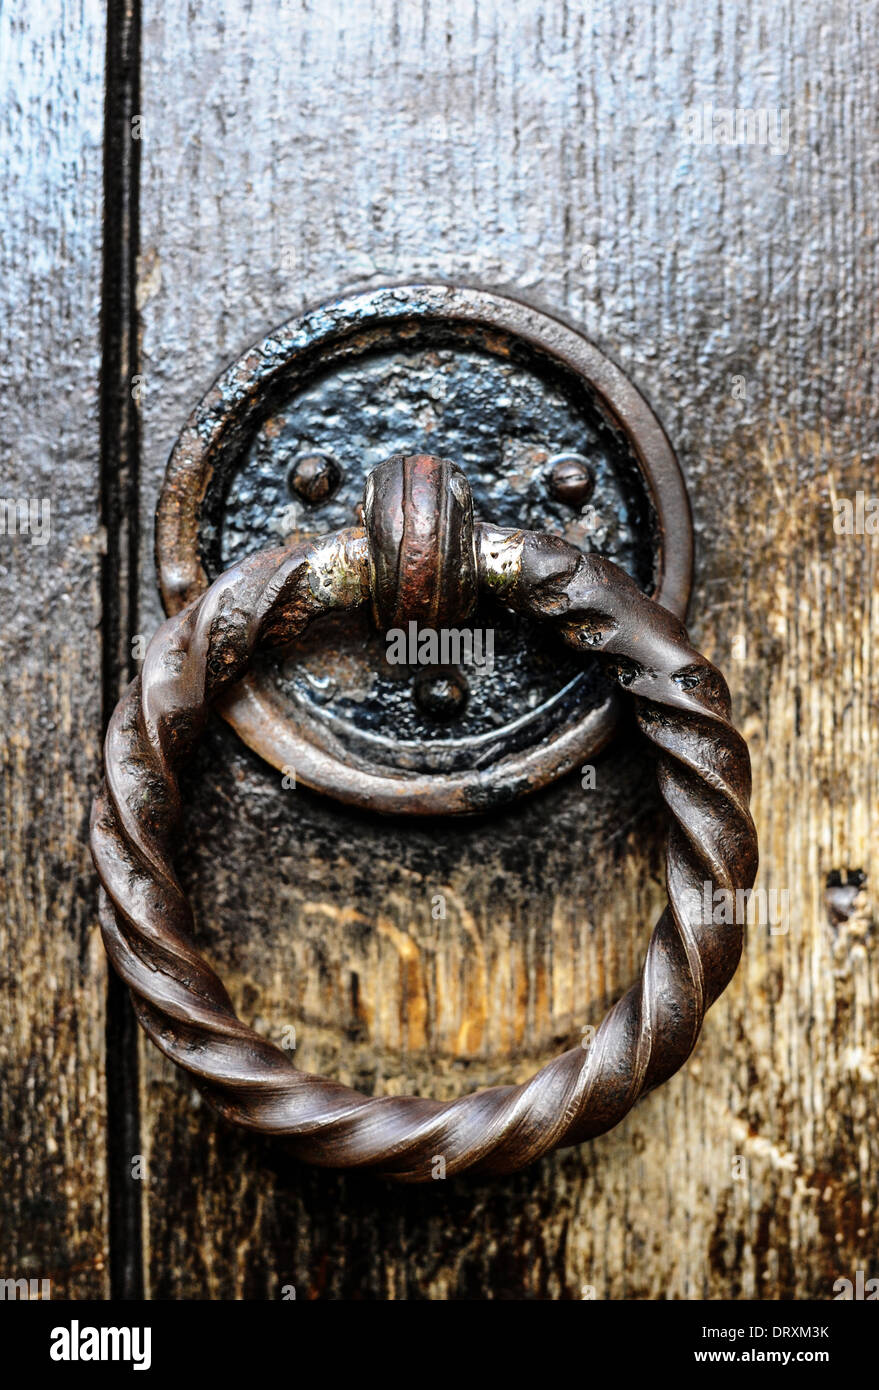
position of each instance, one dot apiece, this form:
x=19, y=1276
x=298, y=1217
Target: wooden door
x=232, y=164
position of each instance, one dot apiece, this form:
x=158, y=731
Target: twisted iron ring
x=682, y=706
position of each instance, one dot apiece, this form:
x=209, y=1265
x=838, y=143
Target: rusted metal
x=683, y=709
x=418, y=513
x=489, y=380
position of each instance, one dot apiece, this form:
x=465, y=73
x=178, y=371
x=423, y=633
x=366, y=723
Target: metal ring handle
x=683, y=708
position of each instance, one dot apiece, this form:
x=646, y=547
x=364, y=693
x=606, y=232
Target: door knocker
x=420, y=556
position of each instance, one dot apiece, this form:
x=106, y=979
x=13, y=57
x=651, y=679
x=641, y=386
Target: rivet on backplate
x=441, y=694
x=314, y=477
x=571, y=479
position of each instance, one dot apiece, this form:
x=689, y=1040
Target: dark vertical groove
x=120, y=452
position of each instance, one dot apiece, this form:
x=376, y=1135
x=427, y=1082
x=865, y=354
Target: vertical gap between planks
x=120, y=454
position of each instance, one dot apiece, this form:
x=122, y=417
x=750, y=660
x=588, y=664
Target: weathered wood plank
x=52, y=1095
x=538, y=148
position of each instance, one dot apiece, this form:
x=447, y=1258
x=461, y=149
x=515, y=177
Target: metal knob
x=418, y=512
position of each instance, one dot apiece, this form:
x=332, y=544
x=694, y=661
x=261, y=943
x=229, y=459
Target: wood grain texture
x=52, y=1099
x=538, y=148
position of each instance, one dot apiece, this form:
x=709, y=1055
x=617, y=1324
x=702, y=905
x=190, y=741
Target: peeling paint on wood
x=53, y=1210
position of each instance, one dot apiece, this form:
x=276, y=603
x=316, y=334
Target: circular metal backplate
x=508, y=393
